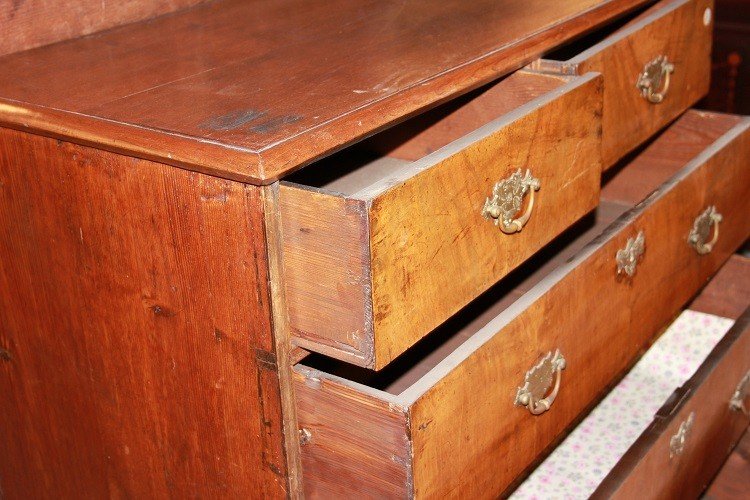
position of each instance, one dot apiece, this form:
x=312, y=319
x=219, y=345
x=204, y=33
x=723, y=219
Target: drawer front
x=370, y=274
x=679, y=30
x=465, y=430
x=590, y=338
x=691, y=436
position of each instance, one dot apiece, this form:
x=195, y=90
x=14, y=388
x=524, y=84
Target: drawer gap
x=593, y=38
x=383, y=155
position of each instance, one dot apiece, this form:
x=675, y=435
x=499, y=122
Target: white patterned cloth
x=585, y=457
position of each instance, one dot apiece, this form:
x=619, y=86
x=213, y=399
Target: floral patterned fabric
x=583, y=460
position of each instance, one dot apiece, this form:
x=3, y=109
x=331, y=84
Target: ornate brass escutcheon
x=506, y=200
x=538, y=381
x=627, y=258
x=677, y=442
x=653, y=82
x=737, y=403
x=702, y=229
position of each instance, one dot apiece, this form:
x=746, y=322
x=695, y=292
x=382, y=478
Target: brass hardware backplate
x=627, y=258
x=677, y=442
x=737, y=403
x=538, y=381
x=698, y=237
x=653, y=82
x=506, y=200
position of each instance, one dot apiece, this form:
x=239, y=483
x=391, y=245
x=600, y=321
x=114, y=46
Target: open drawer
x=384, y=241
x=655, y=65
x=667, y=427
x=467, y=410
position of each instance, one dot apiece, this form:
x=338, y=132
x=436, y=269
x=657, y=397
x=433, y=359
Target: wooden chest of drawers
x=502, y=205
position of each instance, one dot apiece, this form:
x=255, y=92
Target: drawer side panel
x=326, y=261
x=351, y=442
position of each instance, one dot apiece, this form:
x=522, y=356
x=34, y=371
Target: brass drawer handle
x=627, y=258
x=702, y=229
x=538, y=381
x=677, y=442
x=737, y=403
x=506, y=200
x=653, y=82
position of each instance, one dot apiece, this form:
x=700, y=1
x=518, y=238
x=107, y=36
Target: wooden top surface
x=254, y=90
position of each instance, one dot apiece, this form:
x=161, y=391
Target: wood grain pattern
x=254, y=90
x=31, y=23
x=676, y=30
x=285, y=352
x=640, y=306
x=731, y=481
x=421, y=249
x=135, y=329
x=357, y=443
x=647, y=471
x=467, y=438
x=728, y=293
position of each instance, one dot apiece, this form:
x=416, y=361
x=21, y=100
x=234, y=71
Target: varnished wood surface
x=728, y=294
x=253, y=90
x=674, y=28
x=731, y=481
x=136, y=352
x=467, y=438
x=648, y=470
x=31, y=23
x=370, y=273
x=354, y=443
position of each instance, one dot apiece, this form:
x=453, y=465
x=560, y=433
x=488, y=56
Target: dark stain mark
x=219, y=335
x=233, y=120
x=160, y=310
x=5, y=355
x=243, y=118
x=266, y=359
x=305, y=230
x=273, y=124
x=425, y=425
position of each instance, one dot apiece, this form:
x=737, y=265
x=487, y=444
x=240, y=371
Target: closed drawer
x=383, y=242
x=680, y=31
x=667, y=427
x=446, y=419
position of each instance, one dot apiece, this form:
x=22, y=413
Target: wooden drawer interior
x=680, y=30
x=384, y=241
x=686, y=379
x=419, y=426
